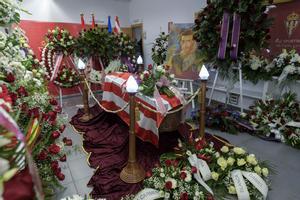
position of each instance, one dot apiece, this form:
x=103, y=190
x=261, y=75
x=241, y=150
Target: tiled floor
x=76, y=170
x=285, y=159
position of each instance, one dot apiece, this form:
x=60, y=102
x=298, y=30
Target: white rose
x=265, y=171
x=225, y=149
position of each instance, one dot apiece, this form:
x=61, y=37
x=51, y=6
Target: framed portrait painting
x=183, y=56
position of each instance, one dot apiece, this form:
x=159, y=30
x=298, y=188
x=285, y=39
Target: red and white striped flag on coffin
x=117, y=28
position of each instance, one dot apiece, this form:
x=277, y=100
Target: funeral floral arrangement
x=125, y=47
x=67, y=77
x=278, y=119
x=196, y=167
x=60, y=40
x=254, y=31
x=159, y=49
x=158, y=78
x=65, y=74
x=286, y=66
x=24, y=97
x=9, y=12
x=96, y=42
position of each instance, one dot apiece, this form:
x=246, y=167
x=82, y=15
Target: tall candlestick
x=202, y=96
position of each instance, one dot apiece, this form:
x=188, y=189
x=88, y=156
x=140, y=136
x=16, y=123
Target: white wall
x=155, y=15
x=69, y=10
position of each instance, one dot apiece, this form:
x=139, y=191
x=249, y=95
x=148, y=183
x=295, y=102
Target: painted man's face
x=188, y=45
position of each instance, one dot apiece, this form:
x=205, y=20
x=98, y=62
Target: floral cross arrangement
x=160, y=78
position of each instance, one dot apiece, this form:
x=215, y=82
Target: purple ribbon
x=224, y=35
x=235, y=36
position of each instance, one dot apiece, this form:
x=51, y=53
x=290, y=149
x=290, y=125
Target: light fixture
x=80, y=65
x=131, y=85
x=139, y=60
x=203, y=73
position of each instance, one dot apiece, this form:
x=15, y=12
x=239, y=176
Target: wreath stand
x=239, y=68
x=186, y=88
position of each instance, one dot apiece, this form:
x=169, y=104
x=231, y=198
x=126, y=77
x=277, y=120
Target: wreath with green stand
x=254, y=30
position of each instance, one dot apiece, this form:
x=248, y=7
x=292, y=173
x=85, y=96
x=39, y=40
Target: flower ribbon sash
x=148, y=194
x=241, y=187
x=8, y=122
x=202, y=166
x=57, y=66
x=236, y=26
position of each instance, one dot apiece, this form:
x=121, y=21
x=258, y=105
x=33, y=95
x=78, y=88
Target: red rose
x=57, y=170
x=43, y=155
x=58, y=109
x=168, y=185
x=53, y=102
x=52, y=115
x=54, y=149
x=62, y=128
x=150, y=67
x=200, y=144
x=22, y=91
x=34, y=112
x=52, y=123
x=63, y=158
x=55, y=134
x=60, y=176
x=184, y=196
x=182, y=175
x=194, y=170
x=168, y=163
x=13, y=97
x=148, y=174
x=54, y=165
x=175, y=163
x=10, y=78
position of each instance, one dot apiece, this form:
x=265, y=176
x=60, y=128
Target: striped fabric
x=115, y=97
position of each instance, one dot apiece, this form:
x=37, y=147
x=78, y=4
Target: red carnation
x=62, y=128
x=60, y=176
x=54, y=165
x=53, y=102
x=182, y=175
x=194, y=170
x=43, y=155
x=22, y=91
x=150, y=67
x=55, y=134
x=168, y=163
x=184, y=196
x=10, y=78
x=168, y=185
x=54, y=149
x=63, y=158
x=148, y=174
